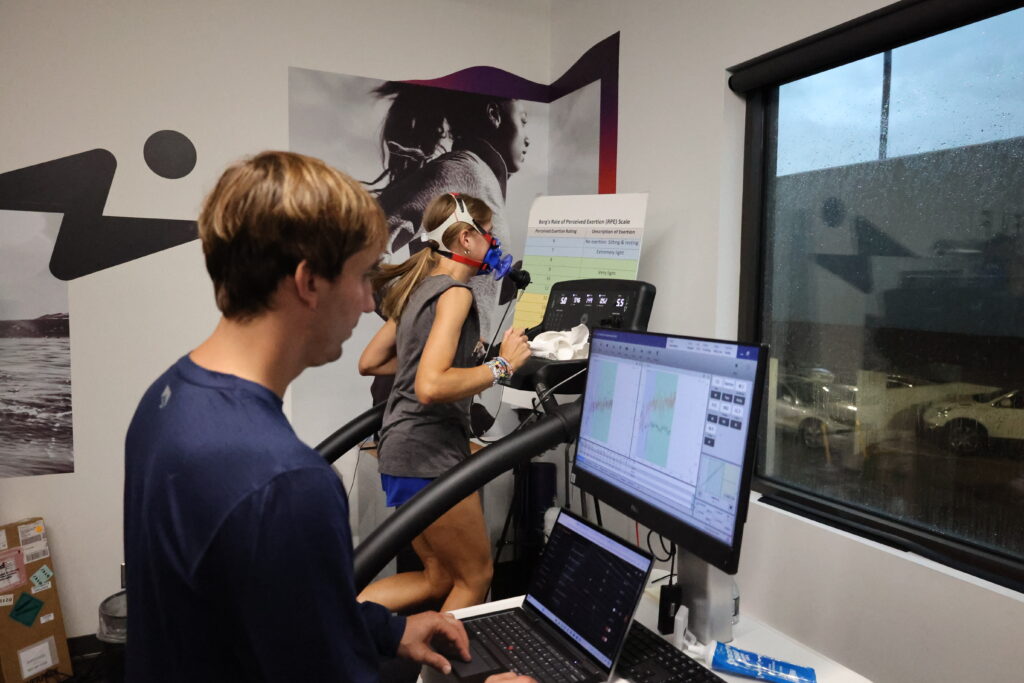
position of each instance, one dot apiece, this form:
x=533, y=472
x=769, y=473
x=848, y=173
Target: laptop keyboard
x=649, y=658
x=525, y=652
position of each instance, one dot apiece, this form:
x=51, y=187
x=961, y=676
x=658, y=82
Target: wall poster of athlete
x=481, y=131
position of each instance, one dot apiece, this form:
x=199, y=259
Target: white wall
x=881, y=612
x=77, y=76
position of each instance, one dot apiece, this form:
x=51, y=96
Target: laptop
x=575, y=616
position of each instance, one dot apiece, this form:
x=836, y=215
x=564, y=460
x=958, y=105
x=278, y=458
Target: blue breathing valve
x=495, y=261
x=499, y=264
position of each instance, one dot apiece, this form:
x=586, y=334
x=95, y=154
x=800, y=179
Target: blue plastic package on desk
x=743, y=663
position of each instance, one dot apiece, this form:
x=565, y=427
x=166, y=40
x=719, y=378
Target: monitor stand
x=707, y=593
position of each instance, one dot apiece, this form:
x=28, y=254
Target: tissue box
x=32, y=639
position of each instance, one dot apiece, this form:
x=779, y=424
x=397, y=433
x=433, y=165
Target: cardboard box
x=32, y=640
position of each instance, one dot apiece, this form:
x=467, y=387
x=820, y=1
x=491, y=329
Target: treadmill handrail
x=470, y=475
x=352, y=434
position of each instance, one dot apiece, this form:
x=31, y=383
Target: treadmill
x=620, y=304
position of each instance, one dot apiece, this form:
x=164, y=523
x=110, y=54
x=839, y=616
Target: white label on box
x=33, y=542
x=46, y=618
x=7, y=600
x=37, y=554
x=32, y=533
x=3, y=539
x=39, y=589
x=37, y=658
x=11, y=569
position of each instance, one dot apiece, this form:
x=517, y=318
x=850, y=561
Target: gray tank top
x=426, y=440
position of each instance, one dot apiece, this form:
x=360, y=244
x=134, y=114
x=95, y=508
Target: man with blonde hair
x=237, y=543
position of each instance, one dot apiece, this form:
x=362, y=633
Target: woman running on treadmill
x=431, y=343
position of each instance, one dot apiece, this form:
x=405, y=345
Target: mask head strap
x=473, y=263
x=459, y=215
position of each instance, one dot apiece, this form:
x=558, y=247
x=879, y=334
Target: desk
x=748, y=634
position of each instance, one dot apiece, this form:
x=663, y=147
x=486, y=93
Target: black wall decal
x=169, y=154
x=77, y=186
x=855, y=269
x=872, y=240
x=833, y=212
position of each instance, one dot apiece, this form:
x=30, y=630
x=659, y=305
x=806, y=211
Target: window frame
x=757, y=80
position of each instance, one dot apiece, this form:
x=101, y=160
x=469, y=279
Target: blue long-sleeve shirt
x=237, y=544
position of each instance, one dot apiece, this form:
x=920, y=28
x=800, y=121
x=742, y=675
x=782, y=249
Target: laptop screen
x=587, y=585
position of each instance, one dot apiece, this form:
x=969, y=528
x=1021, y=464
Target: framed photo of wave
x=35, y=350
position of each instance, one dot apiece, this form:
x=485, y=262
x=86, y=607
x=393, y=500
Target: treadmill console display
x=621, y=304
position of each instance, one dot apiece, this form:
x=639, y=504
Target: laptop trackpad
x=482, y=662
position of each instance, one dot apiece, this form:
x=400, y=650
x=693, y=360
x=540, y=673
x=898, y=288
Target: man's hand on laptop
x=428, y=629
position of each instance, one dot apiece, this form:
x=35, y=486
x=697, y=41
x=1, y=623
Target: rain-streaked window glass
x=894, y=293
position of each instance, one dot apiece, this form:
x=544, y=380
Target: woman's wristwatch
x=500, y=368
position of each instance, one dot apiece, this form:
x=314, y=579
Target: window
x=884, y=265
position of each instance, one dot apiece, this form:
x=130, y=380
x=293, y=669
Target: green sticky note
x=26, y=609
x=41, y=576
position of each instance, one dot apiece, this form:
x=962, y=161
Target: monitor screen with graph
x=667, y=435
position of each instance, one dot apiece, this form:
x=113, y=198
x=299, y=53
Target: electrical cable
x=488, y=442
x=487, y=352
x=669, y=555
x=672, y=566
x=535, y=412
x=359, y=452
x=501, y=322
x=671, y=546
x=497, y=412
x=566, y=484
x=550, y=390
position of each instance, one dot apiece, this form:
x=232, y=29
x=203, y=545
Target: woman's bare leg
x=411, y=589
x=460, y=543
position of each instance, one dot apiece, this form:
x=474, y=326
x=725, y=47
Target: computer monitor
x=667, y=435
